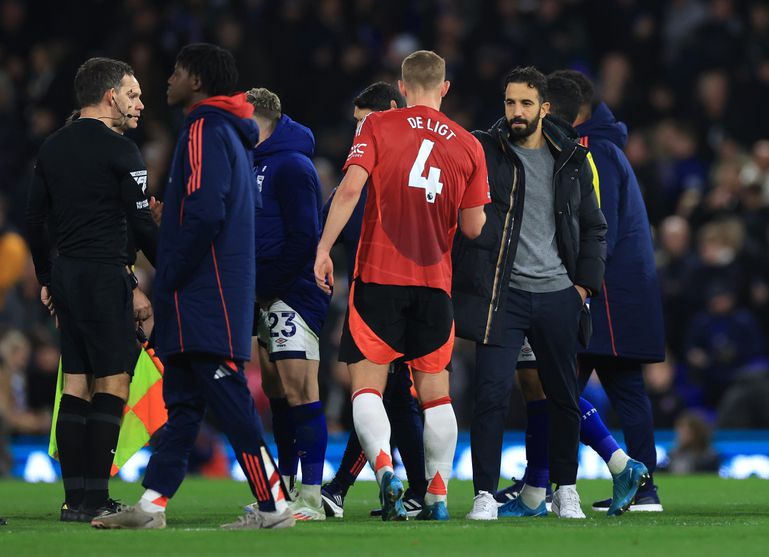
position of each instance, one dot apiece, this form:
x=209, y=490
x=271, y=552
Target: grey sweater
x=537, y=266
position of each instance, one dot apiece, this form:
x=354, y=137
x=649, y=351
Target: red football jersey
x=422, y=168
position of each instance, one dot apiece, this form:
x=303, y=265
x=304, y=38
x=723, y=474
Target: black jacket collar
x=560, y=137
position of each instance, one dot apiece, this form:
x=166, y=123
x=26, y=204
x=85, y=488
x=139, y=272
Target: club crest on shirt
x=260, y=178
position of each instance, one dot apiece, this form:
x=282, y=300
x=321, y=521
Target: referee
x=89, y=185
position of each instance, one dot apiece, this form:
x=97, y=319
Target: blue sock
x=537, y=468
x=283, y=431
x=594, y=433
x=311, y=440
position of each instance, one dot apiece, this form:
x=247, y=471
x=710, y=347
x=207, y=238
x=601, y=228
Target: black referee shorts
x=94, y=304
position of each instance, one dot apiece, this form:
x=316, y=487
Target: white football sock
x=440, y=438
x=153, y=502
x=373, y=429
x=532, y=496
x=617, y=462
x=311, y=494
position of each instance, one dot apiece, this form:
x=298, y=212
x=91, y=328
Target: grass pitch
x=703, y=516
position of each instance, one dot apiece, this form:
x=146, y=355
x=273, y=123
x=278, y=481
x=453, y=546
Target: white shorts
x=285, y=335
x=526, y=357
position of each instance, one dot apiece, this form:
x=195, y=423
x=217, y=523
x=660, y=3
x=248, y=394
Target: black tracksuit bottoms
x=551, y=322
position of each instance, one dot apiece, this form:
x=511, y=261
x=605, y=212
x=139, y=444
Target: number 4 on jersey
x=432, y=184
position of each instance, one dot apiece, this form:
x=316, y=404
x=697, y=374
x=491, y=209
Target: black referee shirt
x=92, y=182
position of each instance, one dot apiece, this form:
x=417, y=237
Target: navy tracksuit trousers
x=622, y=379
x=190, y=383
x=551, y=322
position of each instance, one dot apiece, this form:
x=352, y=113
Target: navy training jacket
x=627, y=310
x=288, y=225
x=205, y=275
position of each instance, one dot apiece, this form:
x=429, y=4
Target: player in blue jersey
x=290, y=308
x=402, y=408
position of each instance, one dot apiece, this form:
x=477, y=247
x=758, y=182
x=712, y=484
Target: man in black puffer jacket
x=529, y=274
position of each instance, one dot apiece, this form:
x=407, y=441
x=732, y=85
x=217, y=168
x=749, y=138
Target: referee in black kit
x=89, y=185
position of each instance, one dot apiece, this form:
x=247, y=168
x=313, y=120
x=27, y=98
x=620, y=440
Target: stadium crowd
x=687, y=76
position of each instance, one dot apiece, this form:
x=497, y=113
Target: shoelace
x=250, y=517
x=483, y=502
x=115, y=505
x=569, y=498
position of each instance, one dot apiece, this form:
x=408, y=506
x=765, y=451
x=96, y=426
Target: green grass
x=703, y=516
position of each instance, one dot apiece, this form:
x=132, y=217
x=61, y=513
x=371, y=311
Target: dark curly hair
x=531, y=76
x=214, y=66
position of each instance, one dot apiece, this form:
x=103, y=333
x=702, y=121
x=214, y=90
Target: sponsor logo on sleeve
x=141, y=179
x=356, y=151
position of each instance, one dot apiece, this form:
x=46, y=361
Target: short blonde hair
x=266, y=103
x=424, y=68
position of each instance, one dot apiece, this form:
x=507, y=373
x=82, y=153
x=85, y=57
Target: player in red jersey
x=424, y=171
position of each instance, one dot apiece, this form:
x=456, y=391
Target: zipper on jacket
x=503, y=247
x=555, y=178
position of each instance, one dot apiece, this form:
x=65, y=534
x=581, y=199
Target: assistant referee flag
x=144, y=412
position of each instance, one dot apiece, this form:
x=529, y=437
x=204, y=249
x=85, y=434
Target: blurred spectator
x=14, y=255
x=15, y=412
x=667, y=404
x=42, y=373
x=722, y=199
x=756, y=171
x=676, y=265
x=683, y=174
x=681, y=18
x=720, y=342
x=693, y=451
x=719, y=246
x=744, y=405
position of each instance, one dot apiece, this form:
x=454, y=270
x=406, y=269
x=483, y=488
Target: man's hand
x=45, y=297
x=324, y=271
x=156, y=208
x=582, y=292
x=142, y=306
x=47, y=300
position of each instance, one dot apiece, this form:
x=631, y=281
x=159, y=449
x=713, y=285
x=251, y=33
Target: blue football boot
x=626, y=485
x=436, y=511
x=516, y=507
x=391, y=494
x=512, y=491
x=509, y=493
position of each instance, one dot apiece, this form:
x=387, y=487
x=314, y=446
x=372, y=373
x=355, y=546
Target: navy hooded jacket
x=288, y=224
x=627, y=311
x=205, y=275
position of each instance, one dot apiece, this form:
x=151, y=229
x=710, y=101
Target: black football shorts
x=94, y=305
